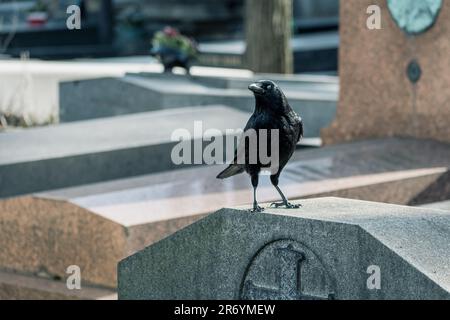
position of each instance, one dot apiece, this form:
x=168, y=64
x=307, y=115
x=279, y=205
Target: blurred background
x=38, y=50
x=125, y=27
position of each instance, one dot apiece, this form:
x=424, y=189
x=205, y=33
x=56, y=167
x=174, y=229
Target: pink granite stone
x=376, y=97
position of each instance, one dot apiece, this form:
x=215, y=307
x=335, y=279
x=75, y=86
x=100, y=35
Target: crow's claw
x=286, y=205
x=257, y=209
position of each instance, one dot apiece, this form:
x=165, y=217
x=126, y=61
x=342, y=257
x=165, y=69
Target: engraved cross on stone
x=289, y=280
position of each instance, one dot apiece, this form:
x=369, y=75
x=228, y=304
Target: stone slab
x=442, y=205
x=305, y=42
x=24, y=287
x=104, y=149
x=315, y=100
x=320, y=251
x=96, y=225
x=41, y=237
x=377, y=99
x=313, y=52
x=399, y=171
x=326, y=84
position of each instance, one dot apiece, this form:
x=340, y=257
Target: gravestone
x=441, y=205
x=294, y=259
x=312, y=52
x=103, y=149
x=95, y=98
x=326, y=249
x=398, y=171
x=14, y=286
x=393, y=81
x=43, y=234
x=326, y=84
x=96, y=225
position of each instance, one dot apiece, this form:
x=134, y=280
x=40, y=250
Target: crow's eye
x=269, y=87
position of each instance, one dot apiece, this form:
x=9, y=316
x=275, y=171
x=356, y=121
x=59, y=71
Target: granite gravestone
x=102, y=223
x=329, y=249
x=394, y=81
x=312, y=97
x=128, y=145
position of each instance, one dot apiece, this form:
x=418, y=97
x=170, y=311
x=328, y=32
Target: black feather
x=272, y=111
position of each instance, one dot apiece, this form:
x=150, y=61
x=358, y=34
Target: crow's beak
x=256, y=88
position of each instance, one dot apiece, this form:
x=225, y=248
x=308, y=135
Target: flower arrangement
x=173, y=49
x=38, y=13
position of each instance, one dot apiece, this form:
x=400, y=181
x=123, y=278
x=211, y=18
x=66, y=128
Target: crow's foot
x=286, y=205
x=256, y=209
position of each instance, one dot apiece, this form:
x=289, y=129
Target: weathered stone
x=442, y=205
x=313, y=52
x=24, y=287
x=42, y=236
x=377, y=98
x=104, y=149
x=145, y=92
x=94, y=226
x=320, y=251
x=392, y=171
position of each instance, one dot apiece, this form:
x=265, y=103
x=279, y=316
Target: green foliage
x=177, y=41
x=39, y=6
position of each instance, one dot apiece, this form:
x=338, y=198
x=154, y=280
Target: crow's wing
x=237, y=167
x=300, y=129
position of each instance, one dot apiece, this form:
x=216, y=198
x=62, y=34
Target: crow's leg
x=284, y=203
x=167, y=69
x=256, y=207
x=187, y=67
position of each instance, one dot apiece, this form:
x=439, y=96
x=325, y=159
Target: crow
x=272, y=111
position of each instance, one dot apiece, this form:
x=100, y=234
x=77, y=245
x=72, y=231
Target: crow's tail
x=232, y=170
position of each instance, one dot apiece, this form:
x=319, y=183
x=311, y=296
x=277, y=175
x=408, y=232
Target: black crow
x=272, y=111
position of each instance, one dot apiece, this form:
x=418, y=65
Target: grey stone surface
x=15, y=286
x=305, y=82
x=313, y=98
x=398, y=171
x=299, y=43
x=97, y=150
x=442, y=205
x=313, y=52
x=322, y=250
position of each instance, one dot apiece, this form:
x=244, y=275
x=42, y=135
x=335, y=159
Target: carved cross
x=289, y=280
